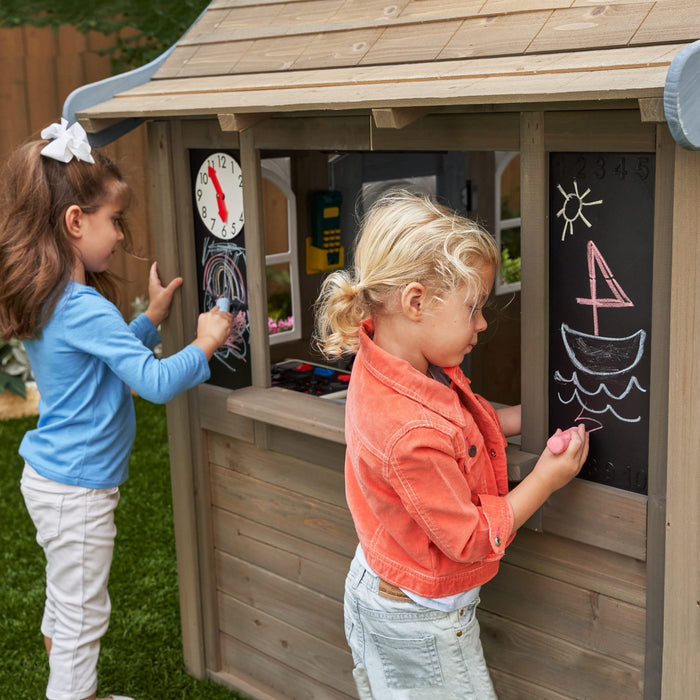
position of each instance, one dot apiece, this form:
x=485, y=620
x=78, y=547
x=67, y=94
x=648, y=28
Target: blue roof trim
x=93, y=93
x=682, y=97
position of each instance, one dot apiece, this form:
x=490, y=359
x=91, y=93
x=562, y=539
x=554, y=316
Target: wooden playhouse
x=570, y=130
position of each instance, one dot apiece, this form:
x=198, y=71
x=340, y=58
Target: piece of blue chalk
x=224, y=304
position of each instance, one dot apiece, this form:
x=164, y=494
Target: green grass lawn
x=141, y=653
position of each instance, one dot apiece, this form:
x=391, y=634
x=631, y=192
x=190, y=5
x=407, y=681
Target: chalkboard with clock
x=217, y=197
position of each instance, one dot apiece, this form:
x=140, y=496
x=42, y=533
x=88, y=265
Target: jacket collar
x=405, y=379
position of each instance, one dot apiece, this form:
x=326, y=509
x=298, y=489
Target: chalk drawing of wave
x=602, y=388
x=608, y=408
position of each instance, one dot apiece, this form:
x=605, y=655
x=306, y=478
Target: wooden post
x=533, y=187
x=682, y=590
x=658, y=410
x=255, y=259
x=175, y=333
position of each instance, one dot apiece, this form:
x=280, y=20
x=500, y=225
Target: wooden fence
x=39, y=68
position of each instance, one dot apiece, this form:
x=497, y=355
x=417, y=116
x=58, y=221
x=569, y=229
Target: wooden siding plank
x=281, y=553
x=214, y=416
x=257, y=676
x=554, y=663
x=608, y=573
x=430, y=9
x=599, y=515
x=309, y=519
x=579, y=28
x=291, y=409
x=495, y=35
x=612, y=130
x=568, y=611
x=285, y=600
x=40, y=74
x=312, y=133
x=337, y=49
x=463, y=68
x=509, y=687
x=492, y=7
x=609, y=85
x=13, y=90
x=307, y=448
x=670, y=21
x=213, y=59
x=303, y=478
x=278, y=54
x=422, y=42
x=288, y=645
x=462, y=132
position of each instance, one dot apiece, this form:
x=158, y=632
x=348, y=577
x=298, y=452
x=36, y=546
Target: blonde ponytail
x=406, y=237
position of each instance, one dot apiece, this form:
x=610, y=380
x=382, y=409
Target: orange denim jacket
x=425, y=475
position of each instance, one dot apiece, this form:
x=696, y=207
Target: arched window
x=507, y=220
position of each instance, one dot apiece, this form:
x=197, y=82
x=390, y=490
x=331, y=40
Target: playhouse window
x=507, y=220
x=281, y=261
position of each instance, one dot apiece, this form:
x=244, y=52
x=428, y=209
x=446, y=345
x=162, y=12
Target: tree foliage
x=158, y=24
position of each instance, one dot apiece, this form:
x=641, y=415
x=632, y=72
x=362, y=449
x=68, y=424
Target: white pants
x=75, y=527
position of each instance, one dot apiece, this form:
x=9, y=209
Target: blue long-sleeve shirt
x=85, y=362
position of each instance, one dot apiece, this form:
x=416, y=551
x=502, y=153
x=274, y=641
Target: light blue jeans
x=404, y=651
x=75, y=528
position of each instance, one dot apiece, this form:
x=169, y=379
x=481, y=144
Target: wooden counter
x=561, y=614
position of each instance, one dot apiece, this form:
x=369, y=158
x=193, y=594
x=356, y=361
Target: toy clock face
x=219, y=195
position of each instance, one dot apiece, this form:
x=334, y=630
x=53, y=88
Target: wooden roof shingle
x=267, y=56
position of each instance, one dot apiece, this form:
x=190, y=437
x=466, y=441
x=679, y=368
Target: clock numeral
x=199, y=193
x=204, y=212
x=204, y=178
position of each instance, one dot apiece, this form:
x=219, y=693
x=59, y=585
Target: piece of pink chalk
x=559, y=442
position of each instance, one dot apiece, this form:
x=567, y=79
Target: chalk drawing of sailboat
x=593, y=353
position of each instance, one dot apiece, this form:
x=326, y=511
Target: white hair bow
x=64, y=142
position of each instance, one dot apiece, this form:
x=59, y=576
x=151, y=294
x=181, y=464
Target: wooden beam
x=652, y=109
x=242, y=121
x=397, y=118
x=176, y=330
x=255, y=261
x=681, y=609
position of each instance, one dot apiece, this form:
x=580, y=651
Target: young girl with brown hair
x=62, y=218
x=425, y=470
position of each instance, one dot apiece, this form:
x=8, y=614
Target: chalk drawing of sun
x=577, y=204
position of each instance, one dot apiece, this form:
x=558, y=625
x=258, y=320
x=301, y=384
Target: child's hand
x=159, y=296
x=213, y=328
x=559, y=469
x=550, y=473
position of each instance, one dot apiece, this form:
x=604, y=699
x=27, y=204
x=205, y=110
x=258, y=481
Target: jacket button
x=459, y=633
x=497, y=540
x=493, y=453
x=472, y=450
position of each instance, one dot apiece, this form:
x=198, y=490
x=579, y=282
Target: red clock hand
x=220, y=196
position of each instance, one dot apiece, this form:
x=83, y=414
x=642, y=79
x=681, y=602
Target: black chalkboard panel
x=601, y=216
x=221, y=264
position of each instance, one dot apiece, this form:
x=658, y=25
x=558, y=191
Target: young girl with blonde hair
x=62, y=209
x=425, y=471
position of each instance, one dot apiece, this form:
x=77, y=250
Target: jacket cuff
x=499, y=516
